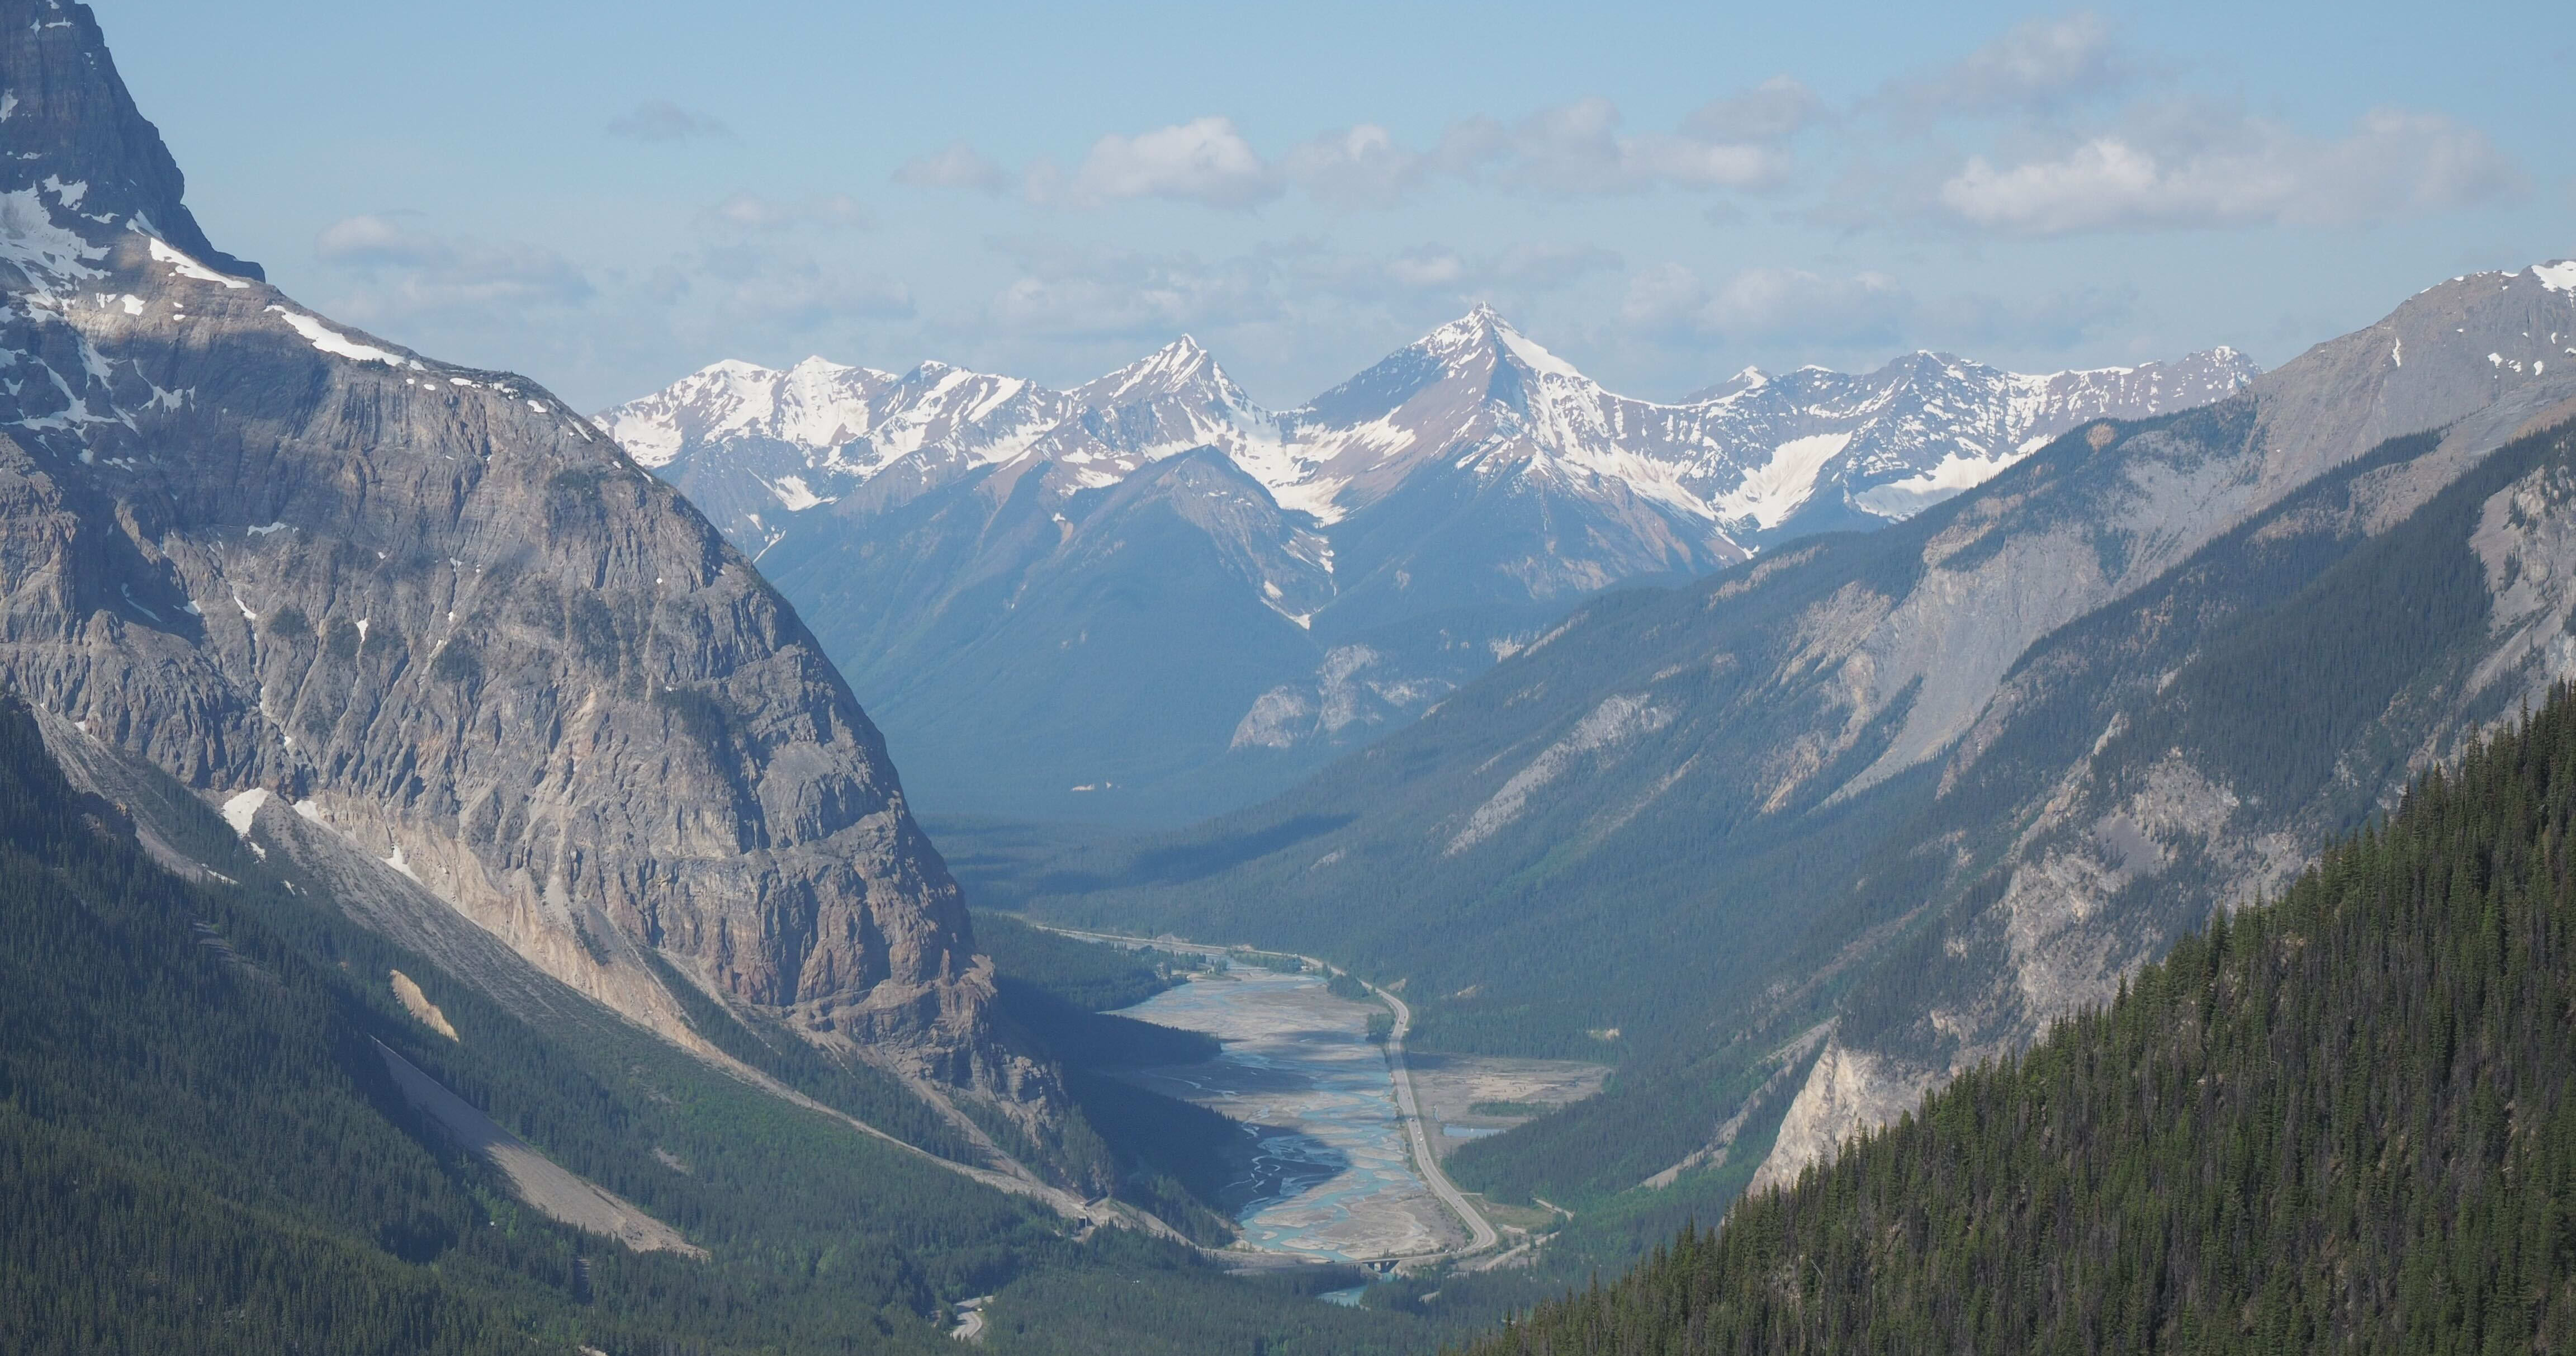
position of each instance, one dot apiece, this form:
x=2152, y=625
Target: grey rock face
x=435, y=612
x=69, y=118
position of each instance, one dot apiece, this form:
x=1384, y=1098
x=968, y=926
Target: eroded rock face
x=432, y=609
x=2140, y=835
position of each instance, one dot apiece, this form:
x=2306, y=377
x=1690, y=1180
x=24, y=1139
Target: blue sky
x=605, y=196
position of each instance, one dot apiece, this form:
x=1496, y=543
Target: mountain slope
x=211, y=1149
x=237, y=1119
x=1390, y=538
x=2341, y=1121
x=439, y=616
x=1811, y=836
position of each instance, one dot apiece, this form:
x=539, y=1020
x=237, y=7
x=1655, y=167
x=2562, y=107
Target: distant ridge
x=967, y=545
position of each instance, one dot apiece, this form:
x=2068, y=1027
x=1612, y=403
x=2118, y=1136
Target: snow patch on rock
x=243, y=809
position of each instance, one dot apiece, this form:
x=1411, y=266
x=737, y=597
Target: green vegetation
x=200, y=1149
x=204, y=1151
x=2338, y=1121
x=1194, y=1312
x=859, y=1089
x=1156, y=1152
x=1096, y=978
x=1510, y=1108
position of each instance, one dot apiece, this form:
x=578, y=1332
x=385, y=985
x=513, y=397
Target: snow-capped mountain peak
x=1749, y=460
x=815, y=404
x=1180, y=368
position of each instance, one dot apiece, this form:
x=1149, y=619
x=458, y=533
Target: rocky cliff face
x=310, y=572
x=2118, y=783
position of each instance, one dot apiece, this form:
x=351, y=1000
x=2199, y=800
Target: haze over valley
x=1977, y=814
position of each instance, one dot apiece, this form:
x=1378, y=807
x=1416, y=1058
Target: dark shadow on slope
x=1186, y=862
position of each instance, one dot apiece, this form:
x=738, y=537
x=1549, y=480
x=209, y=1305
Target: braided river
x=1324, y=1172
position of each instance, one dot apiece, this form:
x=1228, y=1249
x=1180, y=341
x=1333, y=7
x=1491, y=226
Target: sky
x=607, y=196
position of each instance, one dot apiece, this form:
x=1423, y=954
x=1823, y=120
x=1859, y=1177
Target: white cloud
x=2190, y=170
x=1070, y=292
x=958, y=166
x=378, y=240
x=1736, y=142
x=409, y=272
x=2040, y=66
x=664, y=121
x=1798, y=309
x=1775, y=110
x=1768, y=303
x=1360, y=166
x=1427, y=269
x=1577, y=148
x=1205, y=160
x=1432, y=275
x=764, y=288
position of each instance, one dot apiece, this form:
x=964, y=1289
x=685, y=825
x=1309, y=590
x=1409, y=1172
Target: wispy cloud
x=1204, y=160
x=409, y=272
x=1737, y=142
x=1768, y=304
x=754, y=287
x=1094, y=292
x=1097, y=292
x=2197, y=170
x=1774, y=111
x=957, y=166
x=1359, y=166
x=1580, y=148
x=1844, y=312
x=660, y=120
x=2041, y=66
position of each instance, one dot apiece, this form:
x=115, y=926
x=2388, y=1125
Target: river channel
x=1324, y=1169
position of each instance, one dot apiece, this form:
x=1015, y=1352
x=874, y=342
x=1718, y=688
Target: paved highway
x=1483, y=1233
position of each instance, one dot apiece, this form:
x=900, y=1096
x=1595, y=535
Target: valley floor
x=1346, y=1137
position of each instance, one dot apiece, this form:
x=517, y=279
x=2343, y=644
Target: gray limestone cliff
x=315, y=575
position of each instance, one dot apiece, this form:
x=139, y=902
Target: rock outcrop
x=312, y=573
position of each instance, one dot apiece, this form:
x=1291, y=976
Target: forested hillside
x=205, y=1151
x=201, y=1148
x=2340, y=1121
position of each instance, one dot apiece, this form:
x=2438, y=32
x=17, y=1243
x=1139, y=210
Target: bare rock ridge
x=317, y=576
x=2147, y=803
x=68, y=117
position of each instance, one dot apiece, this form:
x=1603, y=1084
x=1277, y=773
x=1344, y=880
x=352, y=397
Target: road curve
x=1481, y=1235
